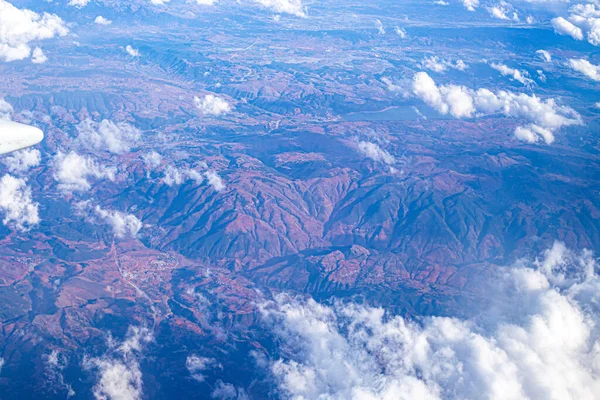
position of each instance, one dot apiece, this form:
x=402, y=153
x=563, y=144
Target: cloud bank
x=539, y=340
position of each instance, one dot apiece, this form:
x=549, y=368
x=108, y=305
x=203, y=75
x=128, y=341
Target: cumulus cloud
x=293, y=7
x=543, y=117
x=106, y=135
x=6, y=109
x=38, y=56
x=79, y=3
x=152, y=159
x=401, y=32
x=517, y=75
x=100, y=20
x=131, y=51
x=212, y=105
x=17, y=205
x=470, y=5
x=123, y=225
x=22, y=161
x=544, y=55
x=538, y=339
x=504, y=11
x=374, y=152
x=21, y=27
x=441, y=65
x=196, y=365
x=72, y=171
x=586, y=68
x=119, y=374
x=214, y=180
x=177, y=176
x=582, y=23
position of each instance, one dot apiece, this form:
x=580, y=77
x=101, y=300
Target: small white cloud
x=471, y=5
x=108, y=136
x=380, y=28
x=72, y=171
x=401, y=32
x=586, y=68
x=38, y=56
x=16, y=203
x=79, y=3
x=441, y=65
x=19, y=27
x=119, y=374
x=131, y=51
x=504, y=11
x=513, y=73
x=544, y=55
x=375, y=153
x=6, y=109
x=214, y=180
x=22, y=161
x=196, y=365
x=100, y=20
x=212, y=105
x=293, y=7
x=122, y=224
x=152, y=160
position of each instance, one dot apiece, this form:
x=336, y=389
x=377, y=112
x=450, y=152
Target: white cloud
x=116, y=138
x=79, y=3
x=471, y=5
x=72, y=171
x=504, y=11
x=212, y=105
x=517, y=75
x=16, y=203
x=152, y=159
x=441, y=65
x=564, y=27
x=376, y=153
x=122, y=224
x=543, y=117
x=582, y=22
x=544, y=55
x=6, y=109
x=585, y=67
x=38, y=56
x=537, y=339
x=401, y=32
x=293, y=7
x=214, y=180
x=196, y=365
x=131, y=51
x=177, y=176
x=226, y=391
x=56, y=362
x=119, y=374
x=100, y=20
x=380, y=28
x=19, y=27
x=22, y=161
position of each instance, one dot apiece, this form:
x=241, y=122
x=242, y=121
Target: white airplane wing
x=15, y=136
